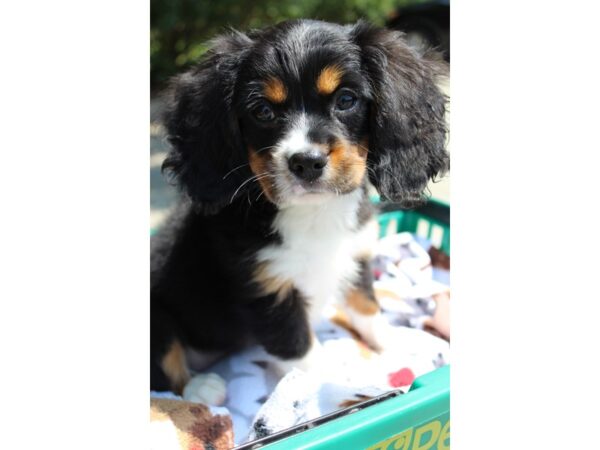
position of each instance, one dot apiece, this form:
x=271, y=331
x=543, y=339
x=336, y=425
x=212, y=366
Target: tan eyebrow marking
x=275, y=91
x=329, y=79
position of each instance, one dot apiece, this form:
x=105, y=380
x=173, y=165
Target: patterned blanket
x=412, y=287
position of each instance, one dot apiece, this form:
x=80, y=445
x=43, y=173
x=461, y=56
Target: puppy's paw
x=207, y=388
x=375, y=330
x=306, y=363
x=381, y=337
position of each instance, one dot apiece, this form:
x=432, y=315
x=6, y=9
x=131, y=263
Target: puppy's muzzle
x=307, y=165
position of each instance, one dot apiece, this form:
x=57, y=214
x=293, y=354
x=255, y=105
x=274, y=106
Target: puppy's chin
x=300, y=194
x=304, y=190
x=307, y=198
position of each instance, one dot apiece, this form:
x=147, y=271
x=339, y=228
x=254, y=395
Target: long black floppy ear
x=202, y=128
x=407, y=133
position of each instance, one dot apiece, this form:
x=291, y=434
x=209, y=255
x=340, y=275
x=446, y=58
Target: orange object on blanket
x=440, y=321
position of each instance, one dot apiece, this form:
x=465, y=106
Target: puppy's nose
x=307, y=165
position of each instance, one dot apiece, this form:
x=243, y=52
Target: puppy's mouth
x=301, y=188
x=294, y=191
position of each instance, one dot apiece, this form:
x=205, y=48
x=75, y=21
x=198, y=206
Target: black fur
x=202, y=291
x=407, y=127
x=203, y=130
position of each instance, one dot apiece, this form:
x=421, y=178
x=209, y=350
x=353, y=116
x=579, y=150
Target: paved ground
x=441, y=189
x=162, y=195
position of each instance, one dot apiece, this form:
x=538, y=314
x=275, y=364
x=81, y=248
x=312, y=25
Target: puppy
x=274, y=136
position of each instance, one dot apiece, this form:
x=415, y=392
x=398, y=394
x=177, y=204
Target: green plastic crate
x=417, y=420
x=431, y=221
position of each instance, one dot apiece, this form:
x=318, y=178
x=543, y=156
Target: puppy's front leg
x=280, y=324
x=364, y=311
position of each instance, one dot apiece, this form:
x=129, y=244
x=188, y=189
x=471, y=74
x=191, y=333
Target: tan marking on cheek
x=270, y=284
x=358, y=301
x=348, y=162
x=336, y=156
x=175, y=368
x=329, y=80
x=275, y=90
x=259, y=164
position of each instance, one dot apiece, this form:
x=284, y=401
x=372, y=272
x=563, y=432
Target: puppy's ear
x=202, y=127
x=407, y=127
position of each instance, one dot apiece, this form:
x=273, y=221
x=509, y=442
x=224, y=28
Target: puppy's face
x=303, y=108
x=303, y=111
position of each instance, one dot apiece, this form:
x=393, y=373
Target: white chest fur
x=320, y=243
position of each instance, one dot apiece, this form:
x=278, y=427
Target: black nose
x=307, y=165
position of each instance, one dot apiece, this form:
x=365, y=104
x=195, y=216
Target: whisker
x=363, y=147
x=260, y=176
x=233, y=170
x=252, y=178
x=265, y=148
x=247, y=164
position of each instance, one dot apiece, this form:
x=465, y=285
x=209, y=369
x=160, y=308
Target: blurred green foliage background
x=180, y=28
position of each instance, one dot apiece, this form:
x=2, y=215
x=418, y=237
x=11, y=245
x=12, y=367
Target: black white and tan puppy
x=274, y=135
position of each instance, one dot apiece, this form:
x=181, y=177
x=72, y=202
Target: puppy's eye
x=263, y=113
x=345, y=101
